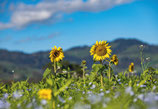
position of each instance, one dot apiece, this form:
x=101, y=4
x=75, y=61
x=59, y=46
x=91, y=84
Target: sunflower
x=114, y=59
x=56, y=54
x=100, y=50
x=131, y=67
x=45, y=94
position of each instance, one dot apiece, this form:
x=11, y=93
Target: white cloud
x=25, y=14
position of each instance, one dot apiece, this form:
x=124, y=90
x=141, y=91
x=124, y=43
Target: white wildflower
x=107, y=92
x=93, y=86
x=69, y=98
x=43, y=102
x=128, y=90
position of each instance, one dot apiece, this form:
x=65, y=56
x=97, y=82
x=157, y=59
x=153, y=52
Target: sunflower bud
x=114, y=59
x=84, y=62
x=131, y=67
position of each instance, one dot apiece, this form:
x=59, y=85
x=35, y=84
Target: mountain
x=24, y=65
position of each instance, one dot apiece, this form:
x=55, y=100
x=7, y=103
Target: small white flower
x=117, y=94
x=84, y=85
x=107, y=92
x=93, y=86
x=119, y=80
x=104, y=105
x=101, y=89
x=69, y=98
x=116, y=76
x=43, y=102
x=141, y=46
x=17, y=94
x=73, y=84
x=148, y=59
x=19, y=105
x=90, y=83
x=129, y=91
x=87, y=74
x=33, y=100
x=58, y=67
x=141, y=96
x=89, y=92
x=154, y=87
x=156, y=97
x=4, y=104
x=142, y=85
x=64, y=71
x=58, y=105
x=135, y=99
x=83, y=92
x=101, y=94
x=61, y=99
x=5, y=95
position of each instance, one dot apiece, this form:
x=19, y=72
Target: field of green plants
x=99, y=88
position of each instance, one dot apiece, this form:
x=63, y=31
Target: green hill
x=30, y=65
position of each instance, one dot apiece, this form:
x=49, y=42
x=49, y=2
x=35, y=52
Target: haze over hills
x=30, y=65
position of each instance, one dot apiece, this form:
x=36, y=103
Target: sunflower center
x=132, y=68
x=101, y=50
x=115, y=59
x=56, y=54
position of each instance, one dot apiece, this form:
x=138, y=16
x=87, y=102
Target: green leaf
x=63, y=88
x=96, y=67
x=49, y=81
x=46, y=72
x=59, y=64
x=142, y=82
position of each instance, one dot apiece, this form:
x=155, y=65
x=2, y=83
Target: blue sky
x=35, y=25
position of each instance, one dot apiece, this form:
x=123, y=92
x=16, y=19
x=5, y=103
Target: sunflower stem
x=84, y=75
x=101, y=80
x=109, y=71
x=142, y=61
x=55, y=68
x=53, y=104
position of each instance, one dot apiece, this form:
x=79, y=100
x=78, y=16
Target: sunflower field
x=98, y=88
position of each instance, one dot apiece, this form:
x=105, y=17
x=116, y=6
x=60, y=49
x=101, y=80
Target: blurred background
x=30, y=28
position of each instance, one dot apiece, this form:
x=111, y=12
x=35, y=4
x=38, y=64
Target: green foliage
x=125, y=90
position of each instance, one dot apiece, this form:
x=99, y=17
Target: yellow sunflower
x=131, y=67
x=114, y=59
x=100, y=50
x=45, y=94
x=56, y=54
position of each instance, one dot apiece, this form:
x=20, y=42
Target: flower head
x=100, y=50
x=83, y=62
x=114, y=59
x=45, y=94
x=56, y=54
x=131, y=67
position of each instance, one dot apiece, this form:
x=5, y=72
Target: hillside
x=30, y=65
